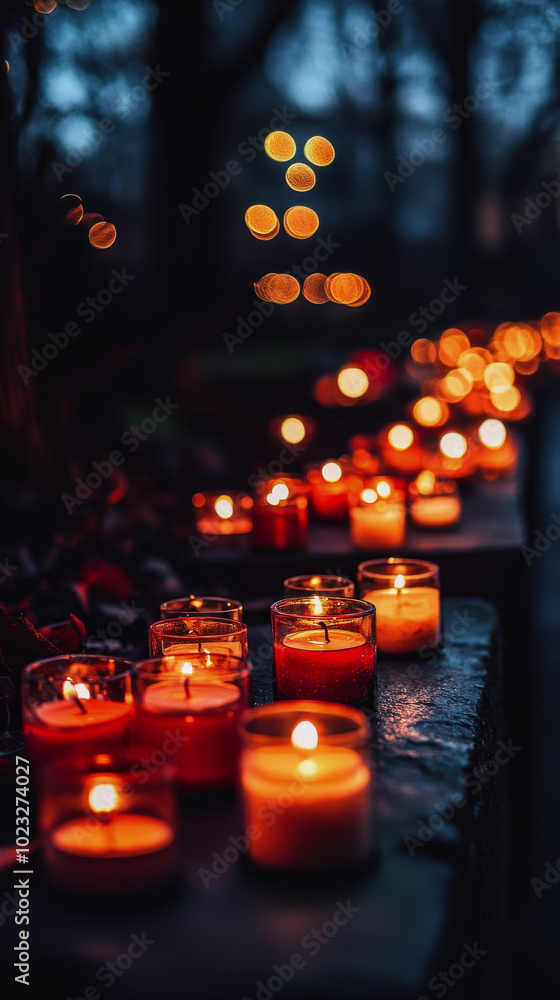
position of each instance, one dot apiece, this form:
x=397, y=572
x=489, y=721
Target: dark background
x=376, y=93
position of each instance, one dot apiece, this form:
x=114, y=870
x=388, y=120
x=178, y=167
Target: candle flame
x=223, y=507
x=453, y=444
x=492, y=433
x=400, y=437
x=315, y=581
x=399, y=581
x=331, y=472
x=272, y=500
x=425, y=482
x=70, y=690
x=383, y=489
x=292, y=430
x=317, y=605
x=305, y=736
x=369, y=496
x=103, y=798
x=187, y=668
x=281, y=491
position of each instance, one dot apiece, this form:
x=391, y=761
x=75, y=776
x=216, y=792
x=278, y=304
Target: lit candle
x=405, y=593
x=400, y=449
x=107, y=846
x=199, y=699
x=498, y=451
x=223, y=513
x=177, y=636
x=378, y=520
x=331, y=490
x=309, y=759
x=434, y=503
x=324, y=648
x=74, y=705
x=280, y=519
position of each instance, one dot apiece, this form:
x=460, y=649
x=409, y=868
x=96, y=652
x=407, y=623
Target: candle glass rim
x=295, y=501
x=240, y=670
x=119, y=763
x=358, y=733
x=338, y=581
x=232, y=628
x=442, y=487
x=430, y=570
x=33, y=669
x=361, y=609
x=232, y=605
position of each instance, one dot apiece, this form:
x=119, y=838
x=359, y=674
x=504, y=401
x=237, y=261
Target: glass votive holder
x=324, y=649
x=194, y=704
x=433, y=502
x=378, y=516
x=183, y=636
x=223, y=513
x=109, y=826
x=202, y=607
x=311, y=760
x=328, y=586
x=75, y=705
x=400, y=449
x=334, y=486
x=280, y=523
x=406, y=595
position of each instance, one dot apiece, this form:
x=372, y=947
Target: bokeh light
x=400, y=437
x=453, y=444
x=352, y=382
x=292, y=430
x=331, y=472
x=492, y=433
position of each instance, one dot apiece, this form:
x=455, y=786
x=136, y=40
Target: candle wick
x=79, y=703
x=187, y=690
x=105, y=817
x=193, y=631
x=327, y=637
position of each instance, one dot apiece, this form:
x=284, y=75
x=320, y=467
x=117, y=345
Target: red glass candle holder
x=333, y=486
x=324, y=648
x=75, y=705
x=280, y=524
x=311, y=760
x=109, y=827
x=183, y=636
x=202, y=607
x=193, y=703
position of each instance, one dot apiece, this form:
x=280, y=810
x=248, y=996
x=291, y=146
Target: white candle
x=407, y=617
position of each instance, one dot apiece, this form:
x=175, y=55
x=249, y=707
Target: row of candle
x=130, y=730
x=376, y=506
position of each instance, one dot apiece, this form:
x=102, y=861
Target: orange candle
x=400, y=449
x=331, y=489
x=406, y=597
x=434, y=503
x=378, y=519
x=306, y=784
x=223, y=513
x=102, y=849
x=498, y=452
